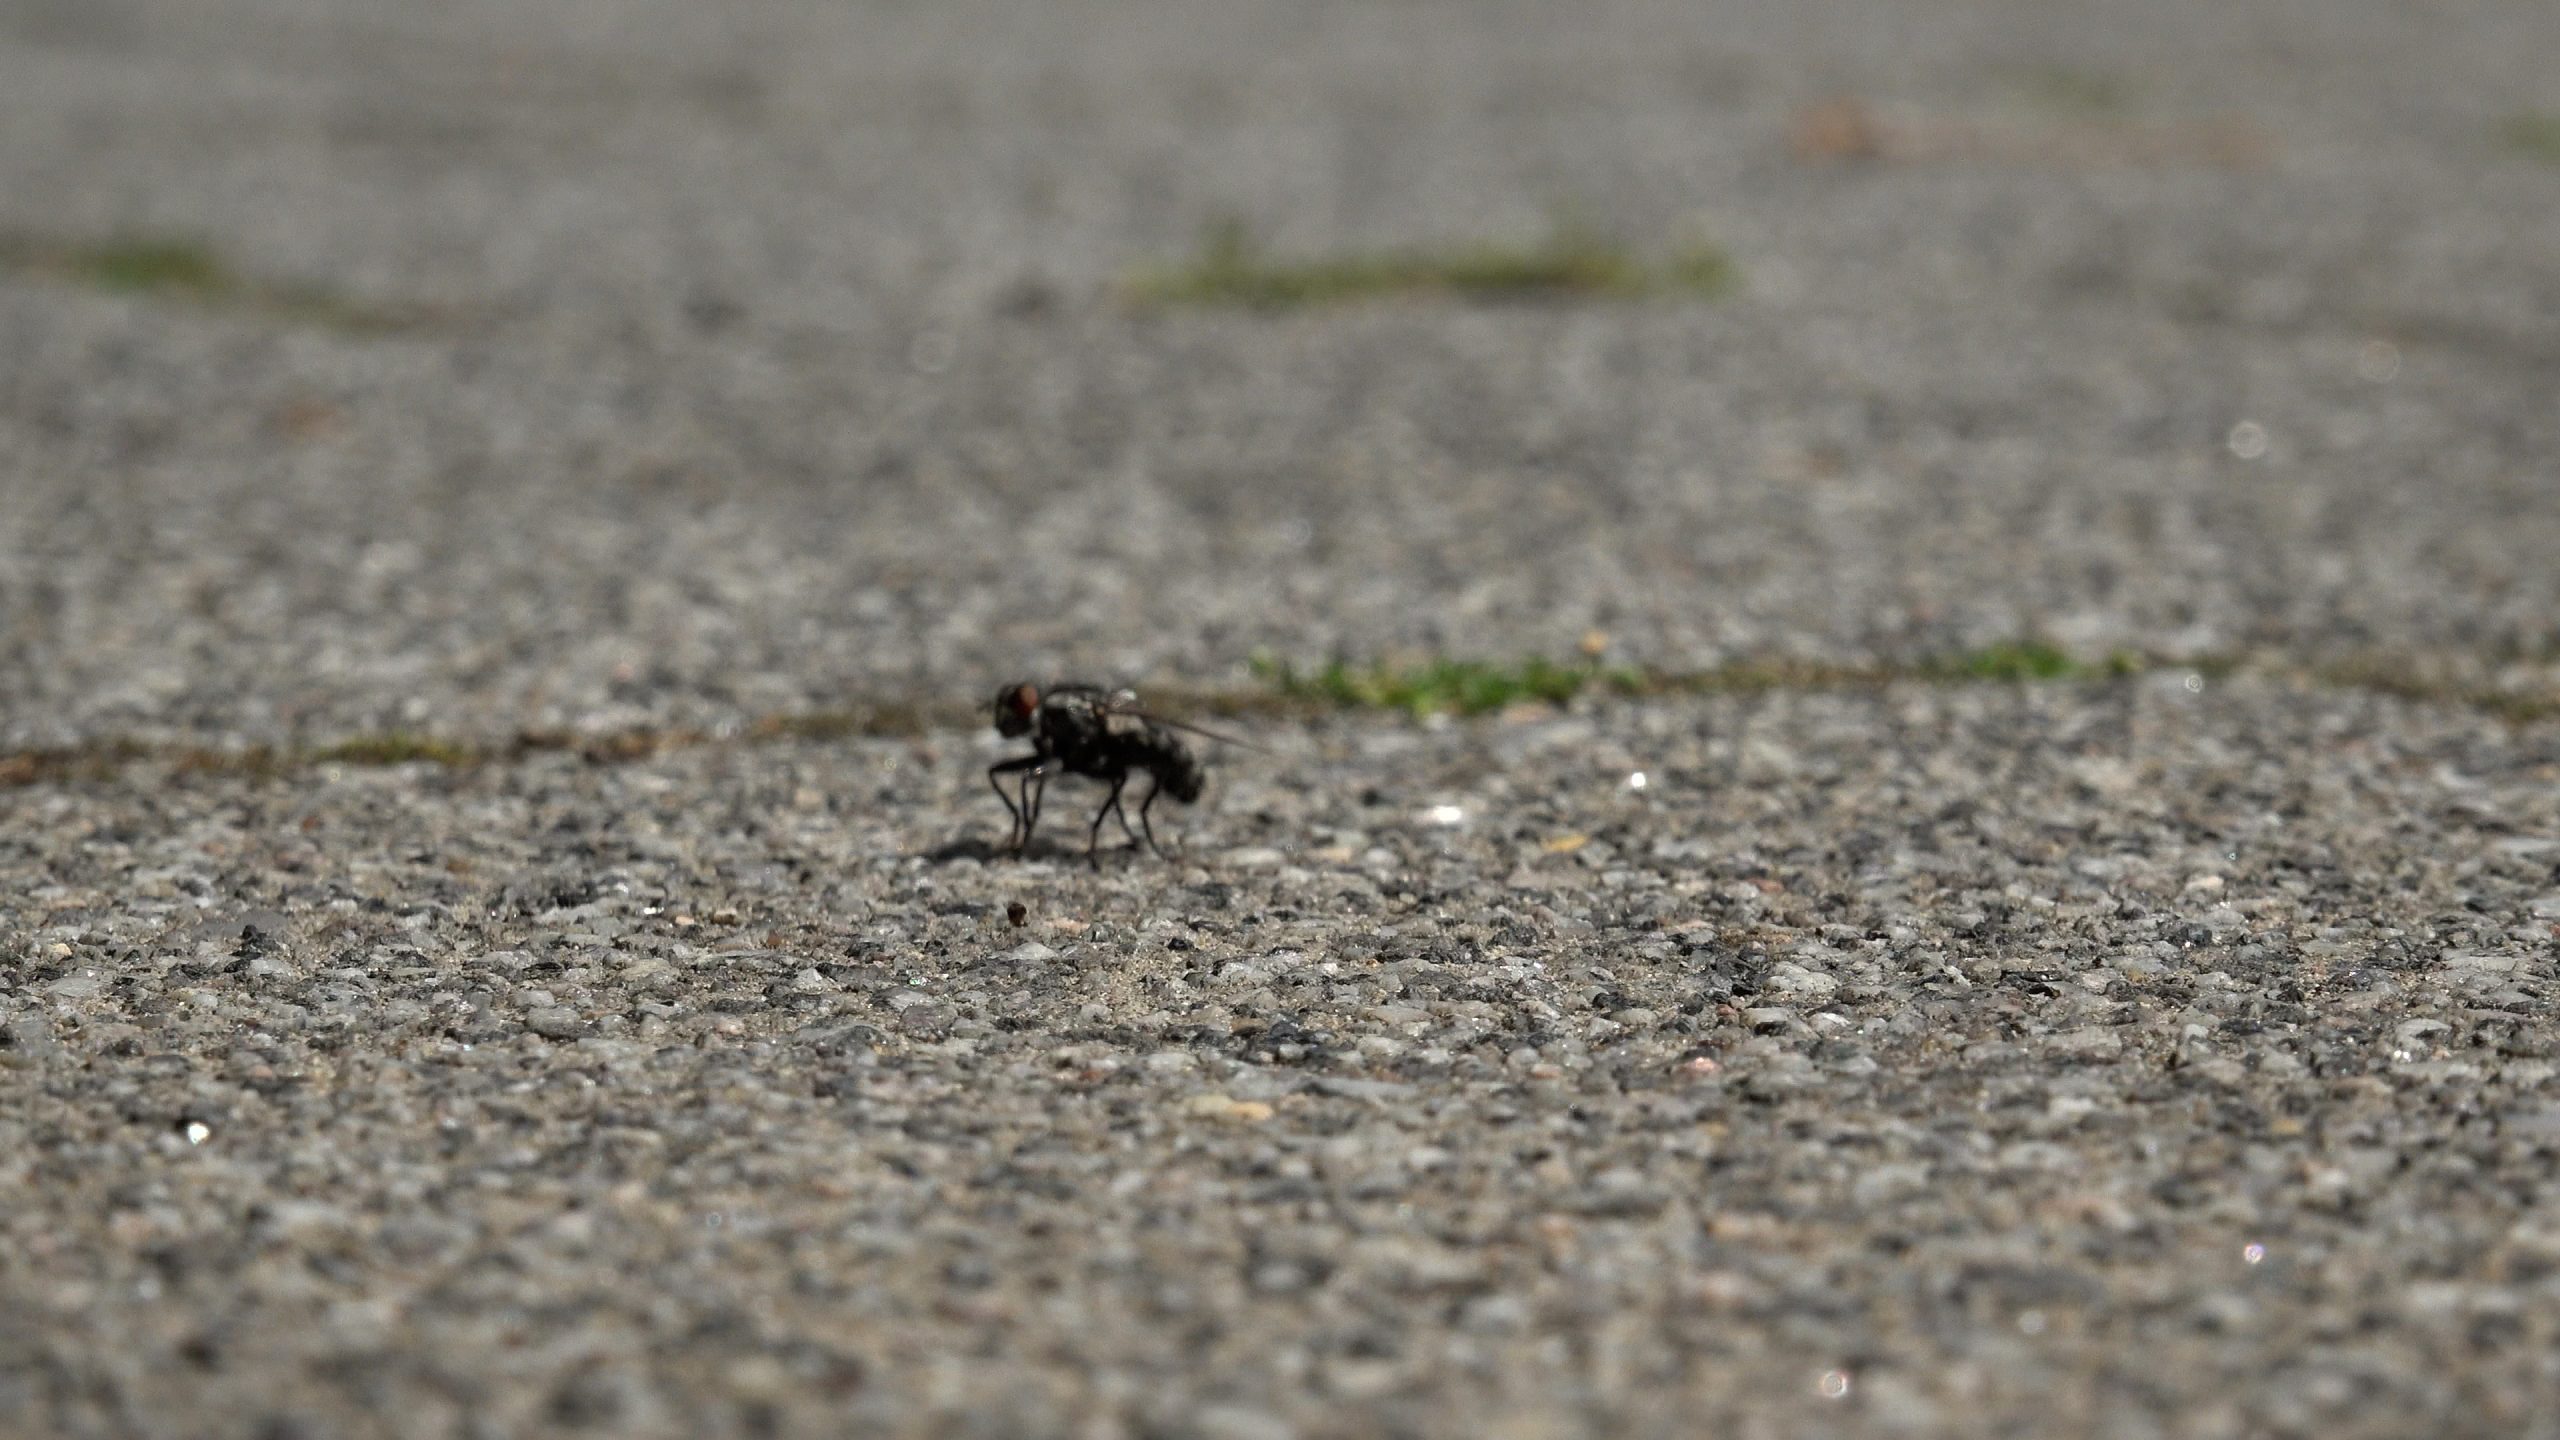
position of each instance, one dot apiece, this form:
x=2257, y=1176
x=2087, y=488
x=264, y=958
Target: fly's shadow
x=987, y=852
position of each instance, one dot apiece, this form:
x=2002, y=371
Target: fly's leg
x=1123, y=812
x=1019, y=836
x=1093, y=835
x=1035, y=789
x=995, y=779
x=1143, y=822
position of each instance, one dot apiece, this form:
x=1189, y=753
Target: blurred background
x=485, y=366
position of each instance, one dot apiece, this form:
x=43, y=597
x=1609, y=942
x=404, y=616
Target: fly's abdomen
x=1177, y=769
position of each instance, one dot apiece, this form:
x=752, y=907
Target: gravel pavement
x=2163, y=1055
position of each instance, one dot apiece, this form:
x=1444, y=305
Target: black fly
x=1102, y=735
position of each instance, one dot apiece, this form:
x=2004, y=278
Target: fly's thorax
x=1068, y=717
x=1075, y=730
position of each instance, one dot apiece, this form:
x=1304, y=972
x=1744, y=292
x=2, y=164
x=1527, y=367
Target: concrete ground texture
x=2038, y=915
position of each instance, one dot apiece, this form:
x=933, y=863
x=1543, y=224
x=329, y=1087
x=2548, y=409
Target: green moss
x=2534, y=133
x=136, y=265
x=1702, y=268
x=2073, y=90
x=1231, y=270
x=1442, y=686
x=187, y=270
x=2022, y=660
x=1475, y=687
x=2011, y=660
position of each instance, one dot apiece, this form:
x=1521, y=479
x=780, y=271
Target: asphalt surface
x=2165, y=1055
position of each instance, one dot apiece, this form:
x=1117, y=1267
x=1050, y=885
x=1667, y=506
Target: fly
x=1102, y=735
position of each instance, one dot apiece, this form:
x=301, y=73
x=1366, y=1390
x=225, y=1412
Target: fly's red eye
x=1015, y=705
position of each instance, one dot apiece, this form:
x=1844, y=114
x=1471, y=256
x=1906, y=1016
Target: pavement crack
x=1434, y=687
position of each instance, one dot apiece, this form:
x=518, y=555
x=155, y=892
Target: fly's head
x=1015, y=705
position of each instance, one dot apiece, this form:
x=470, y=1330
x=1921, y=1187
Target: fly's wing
x=1125, y=702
